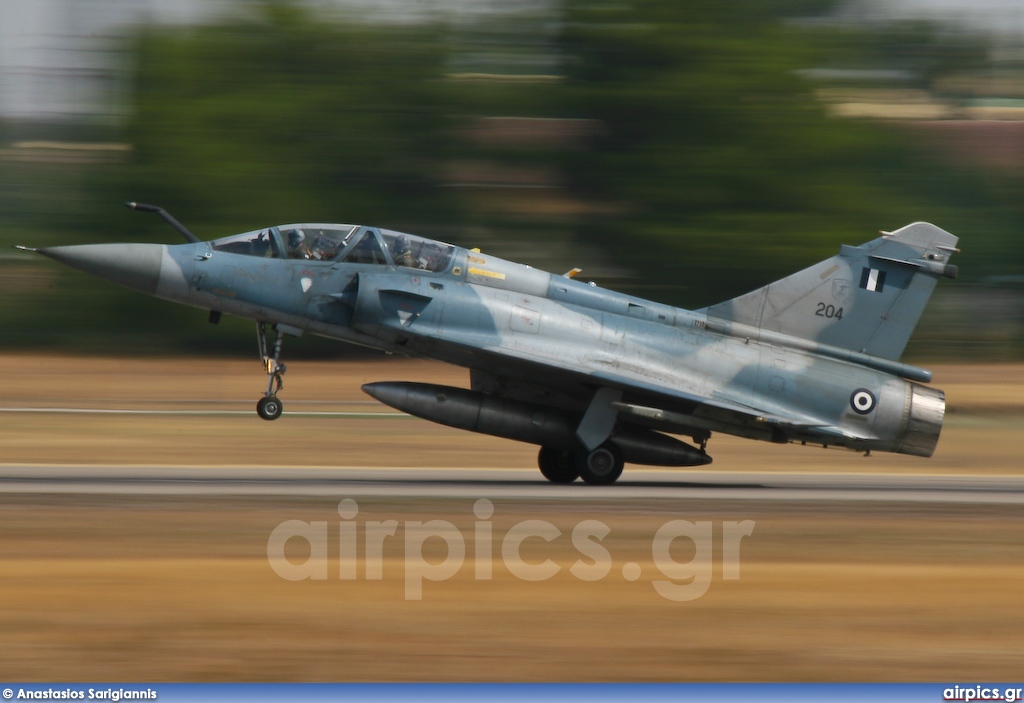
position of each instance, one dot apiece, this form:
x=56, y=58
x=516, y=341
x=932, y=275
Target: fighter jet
x=596, y=378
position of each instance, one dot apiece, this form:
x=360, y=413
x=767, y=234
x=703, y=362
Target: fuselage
x=478, y=311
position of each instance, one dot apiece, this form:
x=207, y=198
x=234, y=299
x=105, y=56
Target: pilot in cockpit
x=402, y=253
x=297, y=248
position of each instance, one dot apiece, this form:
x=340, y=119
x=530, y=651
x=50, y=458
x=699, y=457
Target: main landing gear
x=599, y=467
x=269, y=407
x=557, y=465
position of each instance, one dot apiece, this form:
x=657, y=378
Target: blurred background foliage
x=685, y=152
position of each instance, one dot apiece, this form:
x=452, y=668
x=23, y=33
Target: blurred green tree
x=709, y=166
x=724, y=170
x=270, y=118
x=287, y=117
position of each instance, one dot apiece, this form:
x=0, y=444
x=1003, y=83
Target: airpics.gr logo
x=679, y=580
x=872, y=280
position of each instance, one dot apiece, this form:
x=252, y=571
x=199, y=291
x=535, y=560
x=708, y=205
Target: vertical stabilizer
x=867, y=298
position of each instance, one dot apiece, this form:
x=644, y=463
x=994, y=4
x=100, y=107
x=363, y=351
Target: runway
x=139, y=497
x=519, y=484
x=212, y=409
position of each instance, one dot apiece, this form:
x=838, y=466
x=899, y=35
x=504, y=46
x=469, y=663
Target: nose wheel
x=269, y=407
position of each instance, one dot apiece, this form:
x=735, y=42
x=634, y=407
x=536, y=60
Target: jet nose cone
x=135, y=266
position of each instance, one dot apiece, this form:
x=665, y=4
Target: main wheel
x=269, y=407
x=557, y=465
x=602, y=466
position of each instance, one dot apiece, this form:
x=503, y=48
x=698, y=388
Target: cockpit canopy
x=352, y=244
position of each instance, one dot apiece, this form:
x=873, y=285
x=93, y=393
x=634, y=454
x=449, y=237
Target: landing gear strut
x=269, y=407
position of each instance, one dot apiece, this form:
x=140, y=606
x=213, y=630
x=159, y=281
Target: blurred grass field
x=175, y=588
x=180, y=589
x=984, y=421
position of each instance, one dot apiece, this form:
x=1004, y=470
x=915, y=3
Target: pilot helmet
x=401, y=244
x=295, y=238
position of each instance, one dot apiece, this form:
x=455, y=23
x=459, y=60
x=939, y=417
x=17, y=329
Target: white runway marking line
x=121, y=411
x=508, y=484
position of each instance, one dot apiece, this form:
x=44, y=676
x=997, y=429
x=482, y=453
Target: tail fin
x=867, y=298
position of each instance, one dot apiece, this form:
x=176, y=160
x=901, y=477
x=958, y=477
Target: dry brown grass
x=170, y=588
x=984, y=425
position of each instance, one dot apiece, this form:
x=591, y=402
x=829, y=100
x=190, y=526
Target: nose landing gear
x=269, y=407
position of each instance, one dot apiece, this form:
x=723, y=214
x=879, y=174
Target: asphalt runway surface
x=508, y=483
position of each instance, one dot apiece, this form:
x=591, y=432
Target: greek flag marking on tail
x=878, y=312
x=872, y=279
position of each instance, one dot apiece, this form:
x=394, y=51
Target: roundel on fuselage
x=862, y=401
